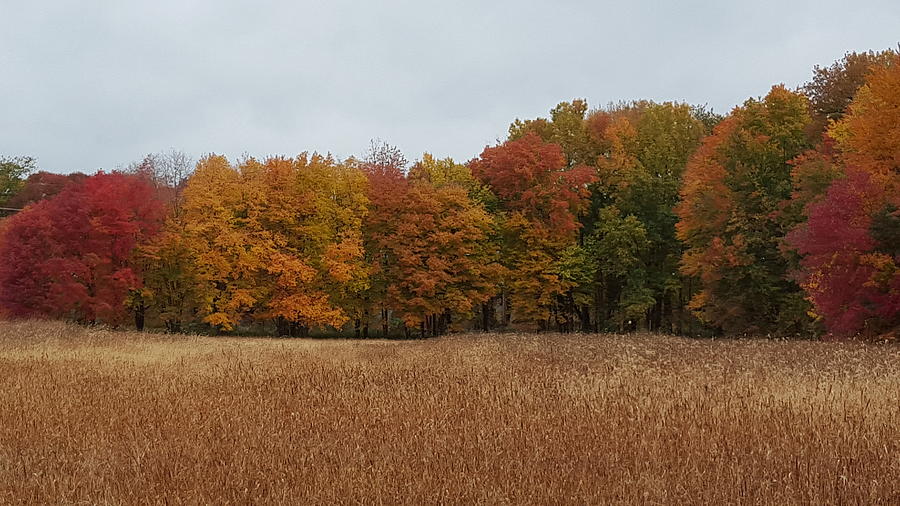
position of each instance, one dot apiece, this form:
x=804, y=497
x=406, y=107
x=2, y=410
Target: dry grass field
x=97, y=417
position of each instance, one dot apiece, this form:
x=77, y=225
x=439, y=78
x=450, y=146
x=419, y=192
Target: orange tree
x=279, y=239
x=731, y=221
x=442, y=263
x=540, y=198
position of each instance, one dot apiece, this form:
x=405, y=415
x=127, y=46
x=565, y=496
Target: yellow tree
x=223, y=251
x=311, y=216
x=278, y=239
x=870, y=135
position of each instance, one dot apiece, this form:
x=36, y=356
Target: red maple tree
x=70, y=256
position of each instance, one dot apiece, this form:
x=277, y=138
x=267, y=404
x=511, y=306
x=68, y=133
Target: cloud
x=91, y=85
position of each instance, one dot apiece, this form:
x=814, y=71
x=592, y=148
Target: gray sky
x=97, y=84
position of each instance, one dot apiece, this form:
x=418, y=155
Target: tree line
x=779, y=219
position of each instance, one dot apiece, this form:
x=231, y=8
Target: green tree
x=13, y=171
x=616, y=249
x=731, y=218
x=641, y=178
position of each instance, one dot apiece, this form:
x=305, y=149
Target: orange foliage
x=870, y=134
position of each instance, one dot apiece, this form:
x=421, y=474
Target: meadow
x=92, y=416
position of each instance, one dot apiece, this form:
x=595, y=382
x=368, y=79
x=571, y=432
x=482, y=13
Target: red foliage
x=854, y=287
x=530, y=176
x=596, y=124
x=69, y=256
x=42, y=185
x=387, y=191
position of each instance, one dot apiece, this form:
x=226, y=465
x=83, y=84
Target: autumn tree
x=832, y=88
x=850, y=261
x=639, y=150
x=71, y=256
x=868, y=136
x=385, y=168
x=42, y=185
x=850, y=256
x=223, y=255
x=170, y=282
x=443, y=173
x=313, y=213
x=541, y=198
x=440, y=261
x=639, y=178
x=569, y=128
x=831, y=91
x=812, y=172
x=730, y=219
x=278, y=239
x=531, y=178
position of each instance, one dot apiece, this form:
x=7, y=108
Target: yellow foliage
x=277, y=239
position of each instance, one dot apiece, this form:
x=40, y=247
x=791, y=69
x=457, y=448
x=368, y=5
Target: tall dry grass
x=100, y=417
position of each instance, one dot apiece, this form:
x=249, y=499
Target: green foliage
x=885, y=230
x=445, y=172
x=566, y=128
x=13, y=171
x=617, y=249
x=611, y=218
x=732, y=221
x=640, y=177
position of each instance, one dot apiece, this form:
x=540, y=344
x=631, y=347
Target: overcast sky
x=96, y=84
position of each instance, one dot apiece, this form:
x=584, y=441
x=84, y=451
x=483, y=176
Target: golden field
x=90, y=416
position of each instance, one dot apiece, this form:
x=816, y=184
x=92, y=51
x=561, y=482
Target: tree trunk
x=507, y=310
x=658, y=313
x=585, y=317
x=139, y=313
x=556, y=320
x=446, y=321
x=666, y=313
x=365, y=330
x=282, y=327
